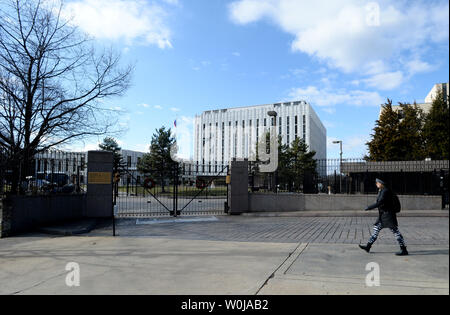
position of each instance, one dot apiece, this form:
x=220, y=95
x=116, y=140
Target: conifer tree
x=410, y=142
x=159, y=162
x=294, y=163
x=111, y=145
x=385, y=144
x=436, y=129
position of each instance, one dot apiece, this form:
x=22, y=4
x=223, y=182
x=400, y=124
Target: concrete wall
x=276, y=202
x=23, y=213
x=313, y=202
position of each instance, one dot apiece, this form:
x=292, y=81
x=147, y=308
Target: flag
x=175, y=123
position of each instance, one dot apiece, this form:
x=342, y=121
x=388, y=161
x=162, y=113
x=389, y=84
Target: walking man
x=387, y=218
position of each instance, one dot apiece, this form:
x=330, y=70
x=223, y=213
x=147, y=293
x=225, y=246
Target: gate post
x=99, y=197
x=238, y=187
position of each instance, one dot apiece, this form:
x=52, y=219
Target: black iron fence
x=356, y=176
x=50, y=172
x=187, y=189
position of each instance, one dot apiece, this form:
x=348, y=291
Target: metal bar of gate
x=175, y=190
x=148, y=190
x=201, y=190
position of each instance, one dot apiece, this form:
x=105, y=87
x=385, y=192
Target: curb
x=70, y=228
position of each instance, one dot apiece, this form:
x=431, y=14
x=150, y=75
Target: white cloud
x=157, y=107
x=144, y=105
x=135, y=21
x=329, y=98
x=172, y=2
x=82, y=146
x=338, y=33
x=418, y=66
x=140, y=147
x=385, y=81
x=236, y=54
x=174, y=109
x=329, y=110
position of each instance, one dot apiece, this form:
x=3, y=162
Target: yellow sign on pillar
x=99, y=178
x=228, y=179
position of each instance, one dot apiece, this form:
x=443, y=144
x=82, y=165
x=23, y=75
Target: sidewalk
x=231, y=255
x=349, y=213
x=133, y=265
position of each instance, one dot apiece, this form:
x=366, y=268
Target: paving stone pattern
x=341, y=230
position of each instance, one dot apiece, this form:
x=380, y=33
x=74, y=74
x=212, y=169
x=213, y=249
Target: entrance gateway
x=193, y=190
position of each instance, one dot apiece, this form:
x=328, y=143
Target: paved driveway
x=231, y=256
x=341, y=230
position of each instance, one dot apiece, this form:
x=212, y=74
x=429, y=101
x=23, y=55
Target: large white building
x=426, y=107
x=224, y=134
x=440, y=87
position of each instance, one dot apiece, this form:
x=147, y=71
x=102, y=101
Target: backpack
x=396, y=206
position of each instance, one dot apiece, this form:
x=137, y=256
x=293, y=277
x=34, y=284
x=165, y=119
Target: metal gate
x=186, y=190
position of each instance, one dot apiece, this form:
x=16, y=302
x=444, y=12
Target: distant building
x=441, y=87
x=223, y=134
x=130, y=175
x=426, y=106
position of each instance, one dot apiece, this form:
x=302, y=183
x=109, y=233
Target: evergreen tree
x=295, y=162
x=111, y=145
x=410, y=140
x=386, y=143
x=158, y=162
x=436, y=129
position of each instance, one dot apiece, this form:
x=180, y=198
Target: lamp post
x=340, y=165
x=274, y=115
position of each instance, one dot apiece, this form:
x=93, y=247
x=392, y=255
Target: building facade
x=73, y=164
x=224, y=134
x=440, y=87
x=428, y=104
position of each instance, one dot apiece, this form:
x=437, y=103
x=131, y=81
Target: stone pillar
x=238, y=187
x=5, y=218
x=99, y=199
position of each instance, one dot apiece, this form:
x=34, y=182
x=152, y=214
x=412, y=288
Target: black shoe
x=366, y=248
x=403, y=251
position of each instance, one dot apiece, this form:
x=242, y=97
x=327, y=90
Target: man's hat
x=380, y=181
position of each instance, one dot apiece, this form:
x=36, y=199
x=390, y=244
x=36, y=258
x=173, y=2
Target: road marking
x=183, y=220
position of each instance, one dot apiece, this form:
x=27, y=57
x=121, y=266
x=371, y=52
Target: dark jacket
x=387, y=216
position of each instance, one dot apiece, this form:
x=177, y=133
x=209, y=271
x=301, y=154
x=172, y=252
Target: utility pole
x=340, y=165
x=274, y=115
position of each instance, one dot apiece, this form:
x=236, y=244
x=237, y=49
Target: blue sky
x=343, y=57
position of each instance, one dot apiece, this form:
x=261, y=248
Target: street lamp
x=274, y=115
x=340, y=165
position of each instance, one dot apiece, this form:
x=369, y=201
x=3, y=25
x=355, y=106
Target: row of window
x=46, y=165
x=243, y=125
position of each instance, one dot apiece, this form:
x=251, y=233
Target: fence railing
x=356, y=176
x=49, y=172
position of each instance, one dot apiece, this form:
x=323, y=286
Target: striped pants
x=376, y=231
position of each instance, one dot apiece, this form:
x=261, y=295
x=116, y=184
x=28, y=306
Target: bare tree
x=52, y=82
